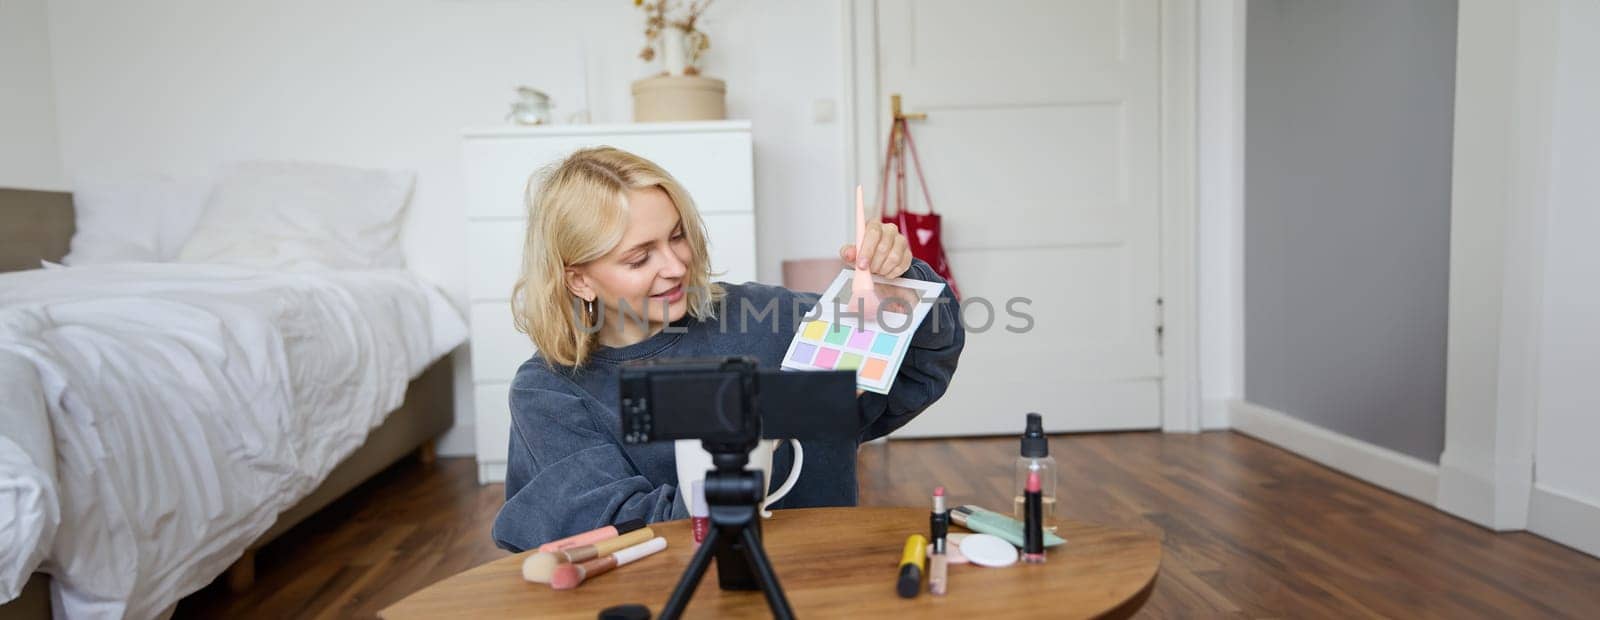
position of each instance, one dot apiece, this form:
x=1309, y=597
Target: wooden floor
x=1249, y=531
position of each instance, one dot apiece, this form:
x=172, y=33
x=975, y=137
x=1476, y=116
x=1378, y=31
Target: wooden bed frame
x=36, y=225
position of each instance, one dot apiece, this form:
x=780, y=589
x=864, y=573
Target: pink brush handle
x=862, y=284
x=578, y=540
x=861, y=220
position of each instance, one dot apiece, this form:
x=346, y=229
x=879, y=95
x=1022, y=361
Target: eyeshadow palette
x=835, y=336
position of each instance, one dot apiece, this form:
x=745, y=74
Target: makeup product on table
x=631, y=611
x=988, y=522
x=990, y=551
x=952, y=549
x=911, y=562
x=593, y=536
x=699, y=512
x=538, y=567
x=568, y=576
x=938, y=574
x=939, y=526
x=590, y=552
x=1033, y=524
x=835, y=336
x=1035, y=457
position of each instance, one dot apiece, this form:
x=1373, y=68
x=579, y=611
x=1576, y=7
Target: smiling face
x=612, y=228
x=643, y=274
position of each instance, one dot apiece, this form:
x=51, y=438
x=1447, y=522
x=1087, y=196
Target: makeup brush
x=538, y=567
x=568, y=576
x=863, y=297
x=593, y=536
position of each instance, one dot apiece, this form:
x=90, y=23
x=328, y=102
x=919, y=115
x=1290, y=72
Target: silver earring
x=588, y=307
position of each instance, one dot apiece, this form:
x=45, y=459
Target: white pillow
x=291, y=215
x=137, y=219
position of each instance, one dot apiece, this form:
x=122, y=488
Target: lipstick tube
x=699, y=512
x=989, y=522
x=939, y=526
x=1033, y=521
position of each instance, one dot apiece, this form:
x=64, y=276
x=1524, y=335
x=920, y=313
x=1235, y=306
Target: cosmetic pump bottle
x=1035, y=456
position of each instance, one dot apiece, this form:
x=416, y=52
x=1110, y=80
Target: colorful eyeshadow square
x=873, y=371
x=849, y=361
x=803, y=353
x=837, y=334
x=861, y=340
x=884, y=345
x=814, y=330
x=826, y=357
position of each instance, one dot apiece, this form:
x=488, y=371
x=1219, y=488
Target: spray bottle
x=1035, y=456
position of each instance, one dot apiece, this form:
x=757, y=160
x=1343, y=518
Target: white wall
x=1504, y=59
x=1522, y=339
x=177, y=86
x=1566, y=494
x=1522, y=418
x=1220, y=205
x=29, y=157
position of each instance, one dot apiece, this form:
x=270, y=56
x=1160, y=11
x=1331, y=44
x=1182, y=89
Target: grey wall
x=1347, y=215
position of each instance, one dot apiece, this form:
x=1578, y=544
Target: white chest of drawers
x=713, y=161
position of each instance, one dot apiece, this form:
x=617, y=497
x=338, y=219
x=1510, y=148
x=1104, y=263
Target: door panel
x=1041, y=149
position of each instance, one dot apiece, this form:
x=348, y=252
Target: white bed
x=189, y=405
x=194, y=382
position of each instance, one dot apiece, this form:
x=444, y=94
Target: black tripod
x=734, y=496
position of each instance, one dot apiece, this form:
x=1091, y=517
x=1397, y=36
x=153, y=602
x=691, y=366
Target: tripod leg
x=757, y=557
x=691, y=577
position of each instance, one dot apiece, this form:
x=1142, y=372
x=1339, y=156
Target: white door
x=1041, y=148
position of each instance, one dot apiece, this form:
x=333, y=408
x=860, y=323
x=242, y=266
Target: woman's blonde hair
x=578, y=214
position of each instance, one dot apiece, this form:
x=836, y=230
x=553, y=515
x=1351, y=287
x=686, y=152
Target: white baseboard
x=1463, y=493
x=1565, y=519
x=458, y=441
x=1403, y=474
x=1494, y=495
x=491, y=473
x=1214, y=414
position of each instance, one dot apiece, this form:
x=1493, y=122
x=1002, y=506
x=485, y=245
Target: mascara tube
x=911, y=563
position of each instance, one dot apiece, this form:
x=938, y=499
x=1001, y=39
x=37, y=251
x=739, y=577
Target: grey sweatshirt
x=569, y=471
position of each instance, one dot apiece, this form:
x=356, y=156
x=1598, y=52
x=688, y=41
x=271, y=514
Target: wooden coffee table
x=832, y=562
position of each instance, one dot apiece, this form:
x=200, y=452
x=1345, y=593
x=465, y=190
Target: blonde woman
x=615, y=268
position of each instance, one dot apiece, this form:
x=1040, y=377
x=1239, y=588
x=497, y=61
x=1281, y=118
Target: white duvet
x=189, y=405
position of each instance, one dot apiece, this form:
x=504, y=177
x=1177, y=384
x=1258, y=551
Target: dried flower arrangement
x=657, y=18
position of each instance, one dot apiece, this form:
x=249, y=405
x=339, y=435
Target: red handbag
x=922, y=230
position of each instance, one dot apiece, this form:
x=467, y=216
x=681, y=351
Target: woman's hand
x=886, y=252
